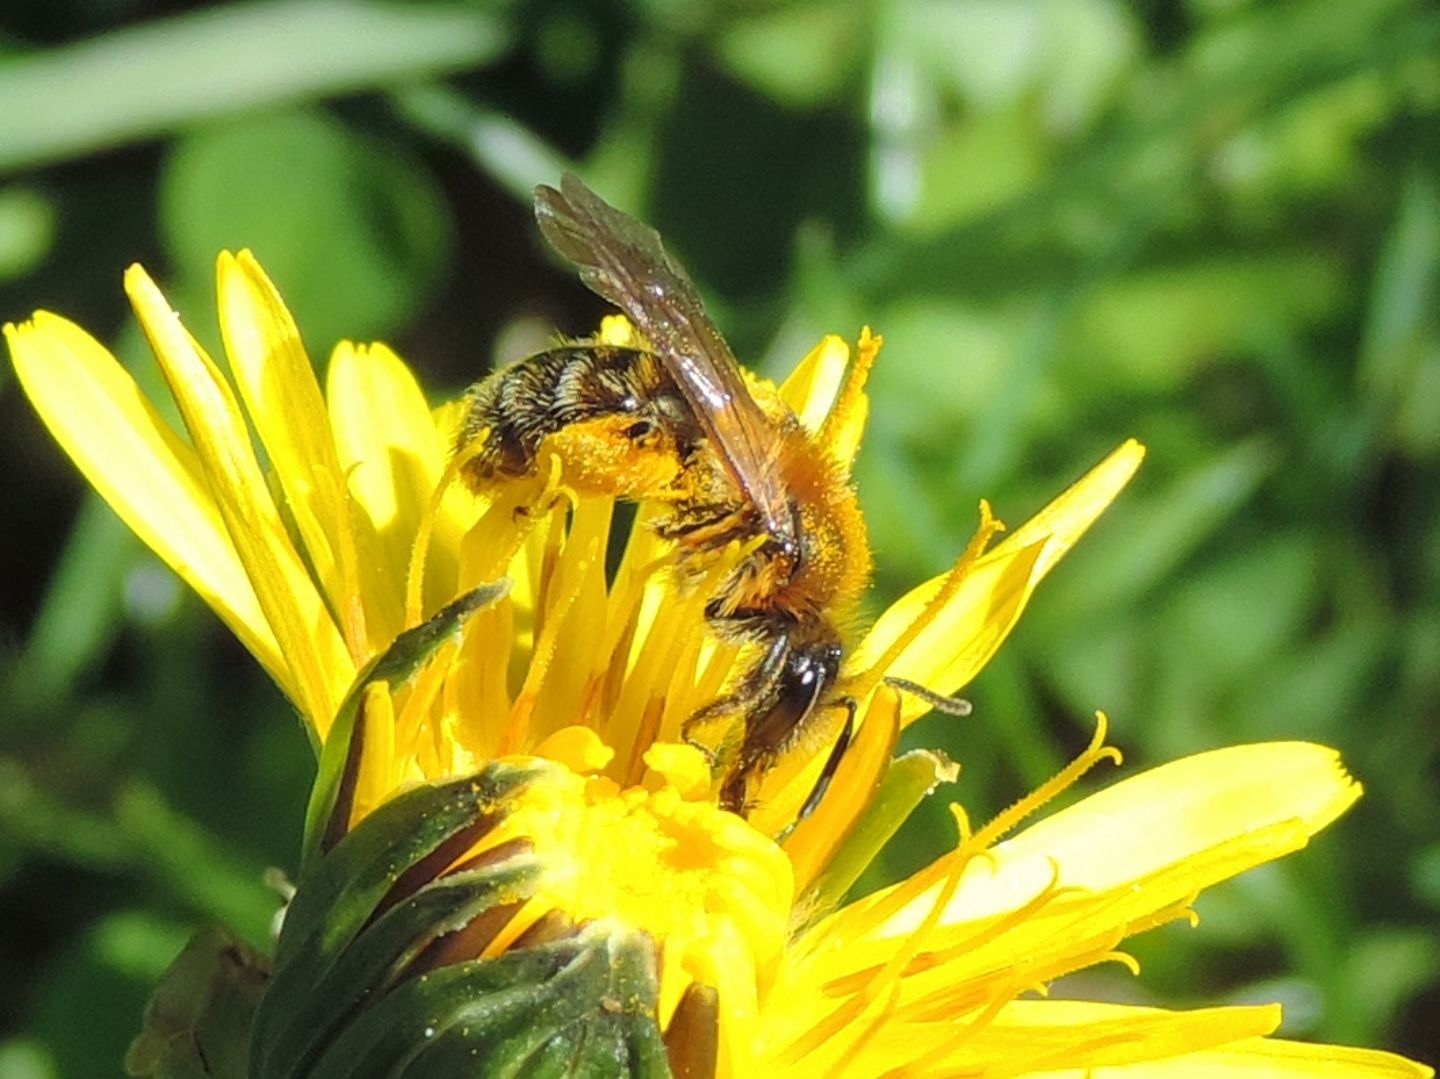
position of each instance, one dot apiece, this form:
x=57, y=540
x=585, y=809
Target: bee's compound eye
x=640, y=430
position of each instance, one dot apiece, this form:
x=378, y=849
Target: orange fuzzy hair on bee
x=671, y=417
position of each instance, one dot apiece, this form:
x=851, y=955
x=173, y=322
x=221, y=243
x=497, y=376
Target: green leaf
x=361, y=911
x=342, y=889
x=313, y=1000
x=1402, y=333
x=197, y=1022
x=27, y=230
x=1157, y=326
x=375, y=971
x=88, y=994
x=1065, y=54
x=156, y=77
x=1228, y=637
x=25, y=1058
x=799, y=54
x=580, y=1006
x=907, y=782
x=1153, y=532
x=354, y=231
x=193, y=864
x=79, y=618
x=1385, y=967
x=515, y=157
x=329, y=807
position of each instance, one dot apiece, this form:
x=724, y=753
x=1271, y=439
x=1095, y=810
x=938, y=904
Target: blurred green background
x=1212, y=224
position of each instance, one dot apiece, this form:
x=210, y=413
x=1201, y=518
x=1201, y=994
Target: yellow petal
x=811, y=387
x=1062, y=895
x=952, y=649
x=973, y=624
x=1033, y=1036
x=845, y=425
x=1269, y=1058
x=1205, y=1057
x=375, y=781
x=385, y=434
x=1161, y=835
x=321, y=668
x=679, y=765
x=1166, y=814
x=816, y=839
x=393, y=456
x=282, y=398
x=578, y=749
x=142, y=468
x=1067, y=518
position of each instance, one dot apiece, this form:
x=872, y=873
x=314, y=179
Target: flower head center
x=713, y=893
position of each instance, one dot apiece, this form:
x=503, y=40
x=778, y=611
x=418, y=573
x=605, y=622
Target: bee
x=677, y=422
x=626, y=431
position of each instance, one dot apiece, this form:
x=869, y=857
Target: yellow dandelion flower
x=515, y=860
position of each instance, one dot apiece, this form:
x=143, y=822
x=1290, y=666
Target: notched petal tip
x=13, y=332
x=1194, y=821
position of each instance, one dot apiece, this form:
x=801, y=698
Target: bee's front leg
x=748, y=705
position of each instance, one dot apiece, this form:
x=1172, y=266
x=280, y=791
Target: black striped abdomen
x=515, y=408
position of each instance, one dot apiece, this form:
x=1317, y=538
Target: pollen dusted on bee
x=677, y=422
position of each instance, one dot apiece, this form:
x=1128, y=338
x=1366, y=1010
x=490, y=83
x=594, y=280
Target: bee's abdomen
x=514, y=409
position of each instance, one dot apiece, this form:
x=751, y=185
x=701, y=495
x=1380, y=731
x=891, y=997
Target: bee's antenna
x=950, y=706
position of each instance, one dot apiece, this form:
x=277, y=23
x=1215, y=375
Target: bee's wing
x=623, y=261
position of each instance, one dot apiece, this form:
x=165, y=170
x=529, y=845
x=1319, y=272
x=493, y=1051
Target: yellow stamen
x=984, y=934
x=1093, y=754
x=518, y=729
x=988, y=528
x=846, y=421
x=885, y=980
x=419, y=551
x=578, y=748
x=376, y=729
x=412, y=723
